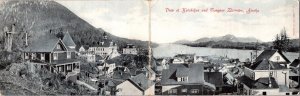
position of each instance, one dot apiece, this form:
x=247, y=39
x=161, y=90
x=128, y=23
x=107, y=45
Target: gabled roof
x=85, y=47
x=295, y=63
x=261, y=83
x=45, y=43
x=68, y=40
x=195, y=74
x=141, y=81
x=182, y=72
x=119, y=74
x=113, y=82
x=267, y=54
x=266, y=65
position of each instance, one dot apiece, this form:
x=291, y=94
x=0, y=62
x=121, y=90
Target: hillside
x=38, y=17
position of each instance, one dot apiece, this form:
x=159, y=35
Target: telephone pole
x=149, y=33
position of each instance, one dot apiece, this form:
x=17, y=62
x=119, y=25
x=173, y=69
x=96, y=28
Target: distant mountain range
x=40, y=16
x=233, y=42
x=228, y=37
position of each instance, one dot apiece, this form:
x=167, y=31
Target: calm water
x=169, y=50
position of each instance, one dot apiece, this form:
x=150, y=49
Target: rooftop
x=295, y=63
x=68, y=40
x=48, y=41
x=266, y=65
x=141, y=81
x=194, y=72
x=261, y=83
x=267, y=54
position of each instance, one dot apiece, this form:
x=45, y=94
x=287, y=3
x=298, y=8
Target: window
x=69, y=67
x=68, y=55
x=26, y=56
x=184, y=90
x=58, y=46
x=264, y=93
x=194, y=91
x=55, y=56
x=277, y=57
x=33, y=55
x=42, y=56
x=182, y=79
x=253, y=75
x=172, y=91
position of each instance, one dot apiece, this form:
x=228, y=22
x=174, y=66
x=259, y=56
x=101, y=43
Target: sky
x=129, y=18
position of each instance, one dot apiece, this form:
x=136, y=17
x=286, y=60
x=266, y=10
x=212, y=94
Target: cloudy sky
x=129, y=18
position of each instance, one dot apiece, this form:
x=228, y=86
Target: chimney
x=26, y=38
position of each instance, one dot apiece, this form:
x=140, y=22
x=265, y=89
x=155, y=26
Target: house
x=274, y=56
x=184, y=79
x=268, y=75
x=137, y=85
x=183, y=58
x=104, y=48
x=198, y=59
x=89, y=56
x=150, y=74
x=107, y=67
x=130, y=49
x=111, y=86
x=52, y=53
x=83, y=48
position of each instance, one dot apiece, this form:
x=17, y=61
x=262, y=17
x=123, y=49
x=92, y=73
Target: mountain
x=182, y=41
x=38, y=17
x=230, y=38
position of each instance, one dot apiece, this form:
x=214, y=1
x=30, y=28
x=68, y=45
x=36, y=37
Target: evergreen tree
x=282, y=41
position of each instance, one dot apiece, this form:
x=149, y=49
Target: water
x=170, y=50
